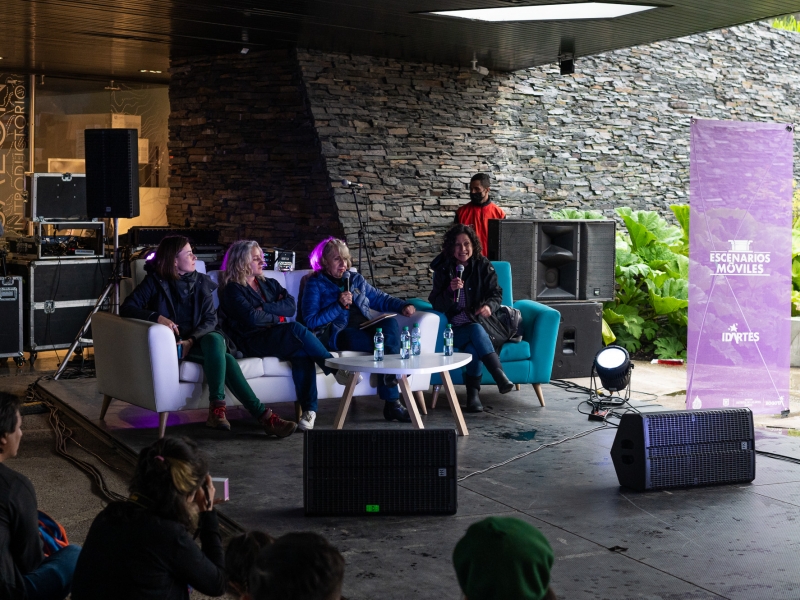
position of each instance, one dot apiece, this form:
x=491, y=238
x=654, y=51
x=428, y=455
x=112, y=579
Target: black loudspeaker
x=512, y=240
x=598, y=260
x=11, y=298
x=112, y=173
x=580, y=338
x=380, y=472
x=684, y=448
x=59, y=196
x=557, y=255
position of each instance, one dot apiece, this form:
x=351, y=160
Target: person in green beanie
x=502, y=558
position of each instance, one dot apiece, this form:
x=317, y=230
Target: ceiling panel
x=108, y=39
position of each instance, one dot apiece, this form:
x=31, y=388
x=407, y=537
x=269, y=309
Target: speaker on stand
x=112, y=192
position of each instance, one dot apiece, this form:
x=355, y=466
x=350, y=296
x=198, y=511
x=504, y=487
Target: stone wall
x=244, y=153
x=616, y=133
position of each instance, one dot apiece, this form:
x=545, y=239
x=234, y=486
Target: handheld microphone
x=346, y=278
x=347, y=183
x=460, y=275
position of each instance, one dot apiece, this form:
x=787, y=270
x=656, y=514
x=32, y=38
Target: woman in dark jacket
x=254, y=310
x=176, y=295
x=336, y=315
x=465, y=301
x=143, y=548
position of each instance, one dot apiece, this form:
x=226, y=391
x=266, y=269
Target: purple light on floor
x=316, y=254
x=150, y=256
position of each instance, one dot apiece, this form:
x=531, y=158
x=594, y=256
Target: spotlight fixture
x=612, y=366
x=245, y=50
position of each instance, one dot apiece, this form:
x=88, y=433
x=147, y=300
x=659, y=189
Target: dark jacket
x=321, y=304
x=480, y=284
x=20, y=544
x=152, y=298
x=246, y=317
x=132, y=554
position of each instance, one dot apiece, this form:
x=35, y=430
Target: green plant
x=650, y=312
x=789, y=23
x=571, y=213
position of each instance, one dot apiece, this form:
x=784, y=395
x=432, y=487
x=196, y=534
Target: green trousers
x=221, y=369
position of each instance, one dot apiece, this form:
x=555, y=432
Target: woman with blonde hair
x=143, y=548
x=335, y=312
x=255, y=311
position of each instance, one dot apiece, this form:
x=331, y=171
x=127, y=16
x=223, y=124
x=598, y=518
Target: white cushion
x=193, y=372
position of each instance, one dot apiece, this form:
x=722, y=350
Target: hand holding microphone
x=459, y=282
x=346, y=298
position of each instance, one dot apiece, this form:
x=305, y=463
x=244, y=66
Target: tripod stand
x=363, y=236
x=111, y=288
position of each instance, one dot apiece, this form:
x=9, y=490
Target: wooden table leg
x=411, y=403
x=421, y=402
x=344, y=403
x=450, y=392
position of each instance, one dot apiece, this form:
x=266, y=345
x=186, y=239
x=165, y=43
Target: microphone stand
x=363, y=236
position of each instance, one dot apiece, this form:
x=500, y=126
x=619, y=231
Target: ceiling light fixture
x=547, y=12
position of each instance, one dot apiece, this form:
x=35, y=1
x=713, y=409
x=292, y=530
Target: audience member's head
x=168, y=474
x=451, y=238
x=166, y=261
x=298, y=566
x=240, y=558
x=10, y=425
x=501, y=558
x=236, y=265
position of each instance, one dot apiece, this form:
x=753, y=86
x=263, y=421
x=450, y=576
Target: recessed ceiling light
x=142, y=70
x=548, y=12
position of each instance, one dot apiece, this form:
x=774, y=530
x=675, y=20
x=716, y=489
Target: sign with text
x=740, y=271
x=14, y=111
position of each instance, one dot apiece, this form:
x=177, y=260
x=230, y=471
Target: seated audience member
x=240, y=560
x=143, y=548
x=501, y=558
x=24, y=570
x=335, y=316
x=298, y=566
x=176, y=295
x=465, y=301
x=254, y=310
x=479, y=210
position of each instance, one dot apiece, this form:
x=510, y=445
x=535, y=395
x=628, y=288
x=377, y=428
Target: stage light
x=613, y=366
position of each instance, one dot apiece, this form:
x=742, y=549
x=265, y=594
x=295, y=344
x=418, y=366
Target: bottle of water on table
x=448, y=340
x=405, y=343
x=416, y=337
x=377, y=354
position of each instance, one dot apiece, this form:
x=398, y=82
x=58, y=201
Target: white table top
x=416, y=365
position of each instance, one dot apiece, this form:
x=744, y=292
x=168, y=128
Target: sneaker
x=274, y=425
x=394, y=411
x=217, y=418
x=342, y=377
x=307, y=420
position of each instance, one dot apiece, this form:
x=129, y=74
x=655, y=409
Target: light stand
x=363, y=236
x=112, y=288
x=612, y=366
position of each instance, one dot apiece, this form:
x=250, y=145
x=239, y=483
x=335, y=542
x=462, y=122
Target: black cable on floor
x=790, y=459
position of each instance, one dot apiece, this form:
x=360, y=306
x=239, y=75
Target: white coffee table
x=423, y=364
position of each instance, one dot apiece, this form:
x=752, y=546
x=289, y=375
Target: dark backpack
x=503, y=326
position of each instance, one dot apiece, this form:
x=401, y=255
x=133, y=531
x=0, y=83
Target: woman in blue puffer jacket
x=335, y=316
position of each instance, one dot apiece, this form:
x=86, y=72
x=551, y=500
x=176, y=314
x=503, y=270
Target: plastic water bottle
x=377, y=354
x=405, y=343
x=416, y=336
x=448, y=340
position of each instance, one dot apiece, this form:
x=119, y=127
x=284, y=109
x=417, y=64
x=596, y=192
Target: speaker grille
x=513, y=241
x=698, y=427
x=384, y=472
x=701, y=469
x=112, y=173
x=598, y=259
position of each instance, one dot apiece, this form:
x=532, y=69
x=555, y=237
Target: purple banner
x=740, y=270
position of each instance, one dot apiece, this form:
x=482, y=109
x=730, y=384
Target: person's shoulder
x=12, y=480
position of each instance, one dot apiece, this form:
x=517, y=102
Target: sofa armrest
x=540, y=329
x=136, y=361
x=423, y=305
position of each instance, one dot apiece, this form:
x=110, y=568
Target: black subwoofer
x=684, y=448
x=112, y=173
x=380, y=472
x=580, y=338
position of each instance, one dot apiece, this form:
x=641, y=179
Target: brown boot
x=217, y=417
x=274, y=425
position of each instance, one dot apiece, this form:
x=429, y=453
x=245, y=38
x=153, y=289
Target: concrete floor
x=736, y=541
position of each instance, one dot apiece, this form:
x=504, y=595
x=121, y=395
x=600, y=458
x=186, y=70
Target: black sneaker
x=394, y=411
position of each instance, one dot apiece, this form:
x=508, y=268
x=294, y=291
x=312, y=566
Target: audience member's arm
x=135, y=305
x=240, y=310
x=315, y=315
x=25, y=544
x=284, y=305
x=208, y=315
x=441, y=296
x=204, y=569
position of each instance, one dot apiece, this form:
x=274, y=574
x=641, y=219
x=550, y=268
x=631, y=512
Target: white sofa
x=136, y=362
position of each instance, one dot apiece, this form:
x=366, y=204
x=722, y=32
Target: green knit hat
x=501, y=558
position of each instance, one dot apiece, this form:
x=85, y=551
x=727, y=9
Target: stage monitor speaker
x=557, y=258
x=684, y=448
x=580, y=338
x=598, y=260
x=112, y=173
x=380, y=472
x=512, y=240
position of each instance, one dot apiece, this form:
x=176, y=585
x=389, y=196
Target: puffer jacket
x=321, y=306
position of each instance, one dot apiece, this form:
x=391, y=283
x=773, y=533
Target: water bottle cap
x=449, y=326
x=416, y=324
x=405, y=328
x=379, y=330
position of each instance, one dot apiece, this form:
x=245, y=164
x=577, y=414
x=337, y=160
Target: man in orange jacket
x=480, y=209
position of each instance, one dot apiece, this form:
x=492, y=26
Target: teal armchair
x=528, y=361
